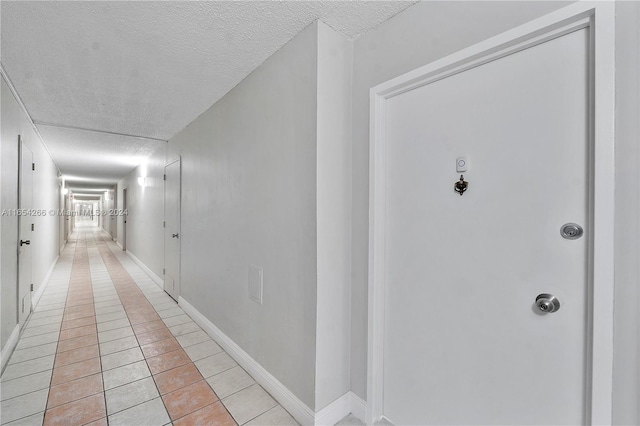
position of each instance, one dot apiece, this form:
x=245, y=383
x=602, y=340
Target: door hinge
x=33, y=227
x=31, y=287
x=164, y=177
x=33, y=166
x=164, y=224
x=164, y=272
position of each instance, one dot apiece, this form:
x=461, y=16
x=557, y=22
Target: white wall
x=266, y=181
x=626, y=378
x=45, y=238
x=11, y=128
x=145, y=238
x=333, y=335
x=249, y=197
x=421, y=34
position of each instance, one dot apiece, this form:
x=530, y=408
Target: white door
x=124, y=219
x=25, y=229
x=464, y=341
x=172, y=229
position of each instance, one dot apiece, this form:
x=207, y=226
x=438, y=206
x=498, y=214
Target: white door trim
x=599, y=19
x=164, y=207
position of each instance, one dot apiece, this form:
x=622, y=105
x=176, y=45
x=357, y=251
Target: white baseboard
x=358, y=406
x=334, y=412
x=38, y=293
x=118, y=243
x=298, y=409
x=349, y=403
x=9, y=347
x=159, y=281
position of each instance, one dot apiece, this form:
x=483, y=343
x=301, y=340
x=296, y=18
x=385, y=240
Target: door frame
x=599, y=19
x=124, y=217
x=19, y=256
x=164, y=217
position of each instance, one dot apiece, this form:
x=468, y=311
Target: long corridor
x=106, y=345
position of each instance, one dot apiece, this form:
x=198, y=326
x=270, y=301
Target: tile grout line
x=104, y=249
x=115, y=254
x=102, y=257
x=104, y=392
x=46, y=404
x=77, y=282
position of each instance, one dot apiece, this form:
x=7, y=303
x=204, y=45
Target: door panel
x=463, y=340
x=124, y=219
x=172, y=229
x=24, y=238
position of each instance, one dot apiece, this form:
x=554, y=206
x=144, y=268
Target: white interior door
x=124, y=219
x=464, y=342
x=172, y=229
x=25, y=222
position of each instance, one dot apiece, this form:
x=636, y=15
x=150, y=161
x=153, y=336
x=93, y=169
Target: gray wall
x=45, y=238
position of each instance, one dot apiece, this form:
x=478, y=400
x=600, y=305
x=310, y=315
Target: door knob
x=25, y=243
x=547, y=303
x=174, y=235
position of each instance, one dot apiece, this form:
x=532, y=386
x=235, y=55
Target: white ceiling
x=146, y=68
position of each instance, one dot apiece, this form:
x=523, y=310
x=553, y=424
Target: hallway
x=278, y=233
x=105, y=345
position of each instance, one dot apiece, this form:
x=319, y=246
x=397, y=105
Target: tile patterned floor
x=106, y=346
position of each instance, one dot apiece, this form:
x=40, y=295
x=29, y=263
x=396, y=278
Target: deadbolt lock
x=571, y=231
x=547, y=303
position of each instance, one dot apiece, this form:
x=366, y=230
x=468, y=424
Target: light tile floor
x=106, y=345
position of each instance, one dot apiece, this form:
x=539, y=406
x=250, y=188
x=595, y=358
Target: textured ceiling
x=146, y=68
x=98, y=157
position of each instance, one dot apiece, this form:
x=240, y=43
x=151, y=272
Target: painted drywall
x=249, y=197
x=333, y=216
x=145, y=237
x=11, y=122
x=626, y=373
x=45, y=238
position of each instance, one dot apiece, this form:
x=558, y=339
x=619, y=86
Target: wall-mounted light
x=142, y=181
x=65, y=191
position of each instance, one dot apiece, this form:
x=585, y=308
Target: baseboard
x=118, y=243
x=358, y=406
x=349, y=403
x=38, y=293
x=9, y=347
x=159, y=281
x=298, y=409
x=335, y=411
